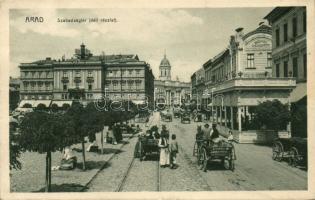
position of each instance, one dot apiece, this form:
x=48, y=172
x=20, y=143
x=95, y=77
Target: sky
x=190, y=37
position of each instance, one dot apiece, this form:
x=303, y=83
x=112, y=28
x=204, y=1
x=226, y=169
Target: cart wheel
x=277, y=151
x=293, y=157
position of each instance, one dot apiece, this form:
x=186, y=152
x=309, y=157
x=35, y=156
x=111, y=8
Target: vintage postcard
x=157, y=99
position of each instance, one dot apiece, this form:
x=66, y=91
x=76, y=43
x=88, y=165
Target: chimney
x=239, y=33
x=261, y=23
x=82, y=51
x=48, y=58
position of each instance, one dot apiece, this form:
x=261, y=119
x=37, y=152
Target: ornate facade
x=240, y=77
x=86, y=78
x=168, y=91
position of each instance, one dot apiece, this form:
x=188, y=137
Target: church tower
x=165, y=69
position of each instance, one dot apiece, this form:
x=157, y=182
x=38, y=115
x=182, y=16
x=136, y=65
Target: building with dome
x=167, y=91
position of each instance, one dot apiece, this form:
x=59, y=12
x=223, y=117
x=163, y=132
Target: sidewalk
x=32, y=176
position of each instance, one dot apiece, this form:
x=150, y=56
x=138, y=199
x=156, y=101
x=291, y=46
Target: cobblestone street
x=254, y=169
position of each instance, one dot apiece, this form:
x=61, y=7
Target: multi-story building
x=289, y=55
x=240, y=77
x=167, y=91
x=86, y=78
x=198, y=86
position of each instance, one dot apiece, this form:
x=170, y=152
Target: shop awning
x=23, y=102
x=60, y=103
x=298, y=93
x=45, y=102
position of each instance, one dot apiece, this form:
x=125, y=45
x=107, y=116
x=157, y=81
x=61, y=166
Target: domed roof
x=165, y=62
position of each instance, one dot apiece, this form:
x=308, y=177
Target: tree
x=272, y=114
x=44, y=133
x=77, y=114
x=41, y=107
x=27, y=105
x=15, y=149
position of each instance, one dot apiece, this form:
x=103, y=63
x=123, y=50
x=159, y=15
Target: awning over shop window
x=60, y=103
x=298, y=93
x=23, y=102
x=45, y=102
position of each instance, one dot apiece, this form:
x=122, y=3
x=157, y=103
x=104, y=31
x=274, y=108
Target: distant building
x=167, y=91
x=198, y=86
x=289, y=55
x=85, y=78
x=240, y=77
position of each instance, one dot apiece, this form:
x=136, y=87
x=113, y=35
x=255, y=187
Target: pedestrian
x=164, y=151
x=111, y=138
x=165, y=132
x=173, y=152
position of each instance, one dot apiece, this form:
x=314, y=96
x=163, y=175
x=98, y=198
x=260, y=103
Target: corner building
x=239, y=78
x=85, y=78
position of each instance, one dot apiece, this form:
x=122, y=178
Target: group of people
x=168, y=149
x=114, y=133
x=210, y=134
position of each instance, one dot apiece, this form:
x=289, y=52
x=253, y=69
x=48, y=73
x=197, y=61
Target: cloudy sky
x=189, y=36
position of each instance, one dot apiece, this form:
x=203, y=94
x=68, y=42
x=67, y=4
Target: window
x=115, y=73
x=305, y=65
x=77, y=73
x=89, y=73
x=285, y=68
x=294, y=27
x=250, y=60
x=47, y=86
x=77, y=84
x=285, y=32
x=33, y=74
x=130, y=72
x=304, y=22
x=138, y=72
x=40, y=85
x=65, y=87
x=277, y=70
x=295, y=67
x=32, y=86
x=277, y=37
x=123, y=72
x=65, y=74
x=39, y=74
x=90, y=86
x=26, y=74
x=47, y=74
x=269, y=59
x=25, y=85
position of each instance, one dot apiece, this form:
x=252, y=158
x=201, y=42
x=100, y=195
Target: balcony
x=244, y=83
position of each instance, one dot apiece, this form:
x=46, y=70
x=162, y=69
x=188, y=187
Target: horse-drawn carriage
x=207, y=151
x=293, y=149
x=185, y=117
x=177, y=112
x=146, y=145
x=166, y=116
x=198, y=117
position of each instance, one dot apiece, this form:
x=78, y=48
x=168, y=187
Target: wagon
x=198, y=117
x=185, y=117
x=222, y=151
x=294, y=150
x=147, y=146
x=166, y=116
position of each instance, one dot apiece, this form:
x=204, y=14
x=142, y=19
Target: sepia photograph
x=157, y=99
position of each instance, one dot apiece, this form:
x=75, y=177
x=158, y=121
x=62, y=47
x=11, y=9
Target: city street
x=254, y=169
